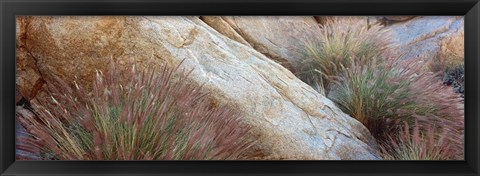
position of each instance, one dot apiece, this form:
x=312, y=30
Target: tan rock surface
x=279, y=38
x=290, y=120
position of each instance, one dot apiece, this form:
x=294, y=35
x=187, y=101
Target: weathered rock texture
x=289, y=119
x=279, y=38
x=220, y=25
x=27, y=73
x=429, y=36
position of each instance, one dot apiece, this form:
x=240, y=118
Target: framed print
x=239, y=88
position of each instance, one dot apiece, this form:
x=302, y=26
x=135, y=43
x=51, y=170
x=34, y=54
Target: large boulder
x=279, y=38
x=427, y=37
x=289, y=119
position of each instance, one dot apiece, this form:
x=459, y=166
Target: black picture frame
x=470, y=9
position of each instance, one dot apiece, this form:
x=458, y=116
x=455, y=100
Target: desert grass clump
x=339, y=42
x=150, y=115
x=375, y=93
x=383, y=94
x=448, y=109
x=362, y=72
x=419, y=143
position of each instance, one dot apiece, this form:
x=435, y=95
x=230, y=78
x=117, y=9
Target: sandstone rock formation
x=289, y=119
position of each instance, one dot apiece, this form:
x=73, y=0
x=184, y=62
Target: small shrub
x=419, y=143
x=455, y=77
x=150, y=116
x=450, y=63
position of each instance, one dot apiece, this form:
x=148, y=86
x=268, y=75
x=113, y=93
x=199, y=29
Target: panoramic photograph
x=239, y=88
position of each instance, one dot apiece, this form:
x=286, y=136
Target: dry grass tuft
x=147, y=117
x=419, y=143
